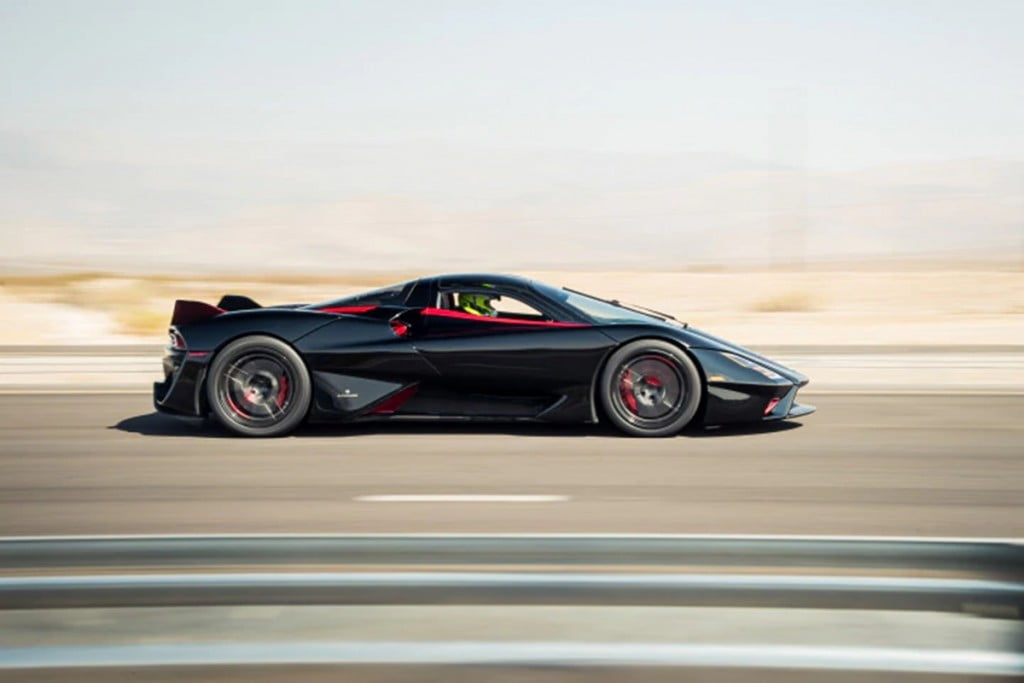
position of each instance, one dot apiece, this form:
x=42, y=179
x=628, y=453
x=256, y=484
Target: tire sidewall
x=301, y=385
x=608, y=384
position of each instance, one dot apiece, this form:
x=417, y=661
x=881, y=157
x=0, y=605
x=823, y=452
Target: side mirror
x=404, y=324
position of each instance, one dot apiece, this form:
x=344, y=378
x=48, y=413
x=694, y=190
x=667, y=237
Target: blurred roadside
x=903, y=369
x=919, y=327
x=909, y=304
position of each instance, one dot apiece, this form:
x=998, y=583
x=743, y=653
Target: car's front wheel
x=259, y=386
x=650, y=388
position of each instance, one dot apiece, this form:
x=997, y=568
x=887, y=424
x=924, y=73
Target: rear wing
x=236, y=302
x=186, y=312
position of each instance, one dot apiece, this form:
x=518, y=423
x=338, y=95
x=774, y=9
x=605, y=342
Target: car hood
x=700, y=339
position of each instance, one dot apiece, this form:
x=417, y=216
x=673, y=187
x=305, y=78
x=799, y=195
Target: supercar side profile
x=462, y=347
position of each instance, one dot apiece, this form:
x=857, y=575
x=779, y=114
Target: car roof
x=477, y=279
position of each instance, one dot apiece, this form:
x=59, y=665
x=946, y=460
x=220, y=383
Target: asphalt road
x=928, y=465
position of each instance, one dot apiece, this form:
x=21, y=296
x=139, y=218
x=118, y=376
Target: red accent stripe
x=347, y=309
x=395, y=402
x=461, y=315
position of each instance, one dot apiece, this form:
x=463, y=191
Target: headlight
x=740, y=360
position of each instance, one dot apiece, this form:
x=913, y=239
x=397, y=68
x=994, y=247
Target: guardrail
x=1004, y=557
x=981, y=597
x=984, y=578
x=977, y=577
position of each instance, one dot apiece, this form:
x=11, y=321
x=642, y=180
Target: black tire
x=259, y=386
x=650, y=388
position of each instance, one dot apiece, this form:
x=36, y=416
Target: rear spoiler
x=187, y=312
x=236, y=302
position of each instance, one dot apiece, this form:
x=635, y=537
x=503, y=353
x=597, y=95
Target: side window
x=489, y=304
x=508, y=307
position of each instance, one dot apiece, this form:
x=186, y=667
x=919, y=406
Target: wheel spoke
x=272, y=409
x=650, y=388
x=238, y=375
x=255, y=388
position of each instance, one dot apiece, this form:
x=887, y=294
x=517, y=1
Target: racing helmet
x=477, y=304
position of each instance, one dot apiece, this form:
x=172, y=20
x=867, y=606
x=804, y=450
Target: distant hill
x=73, y=202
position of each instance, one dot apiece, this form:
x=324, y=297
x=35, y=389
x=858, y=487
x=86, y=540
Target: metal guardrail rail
x=982, y=577
x=977, y=577
x=990, y=556
x=982, y=597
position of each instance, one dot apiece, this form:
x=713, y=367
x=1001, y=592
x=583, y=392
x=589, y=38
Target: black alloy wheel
x=650, y=388
x=259, y=386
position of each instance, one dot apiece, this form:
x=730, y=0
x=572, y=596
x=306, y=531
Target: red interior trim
x=347, y=309
x=461, y=315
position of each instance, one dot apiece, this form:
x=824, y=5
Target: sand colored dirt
x=759, y=307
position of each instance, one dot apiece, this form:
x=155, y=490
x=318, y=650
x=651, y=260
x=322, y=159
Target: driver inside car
x=477, y=304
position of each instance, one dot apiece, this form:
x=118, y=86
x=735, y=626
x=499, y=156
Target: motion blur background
x=839, y=185
x=852, y=171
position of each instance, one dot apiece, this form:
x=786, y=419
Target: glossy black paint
x=450, y=366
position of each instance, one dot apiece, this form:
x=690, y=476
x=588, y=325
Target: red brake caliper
x=626, y=391
x=234, y=408
x=282, y=392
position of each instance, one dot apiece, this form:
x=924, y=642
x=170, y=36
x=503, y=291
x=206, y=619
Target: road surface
x=925, y=465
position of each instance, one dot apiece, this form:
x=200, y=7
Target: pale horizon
x=506, y=134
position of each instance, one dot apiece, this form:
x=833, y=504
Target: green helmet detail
x=476, y=304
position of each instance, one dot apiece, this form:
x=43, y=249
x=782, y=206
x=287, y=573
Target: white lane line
x=466, y=498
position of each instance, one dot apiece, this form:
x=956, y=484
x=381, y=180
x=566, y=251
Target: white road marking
x=461, y=498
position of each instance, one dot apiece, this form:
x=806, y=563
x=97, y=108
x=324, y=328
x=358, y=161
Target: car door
x=522, y=351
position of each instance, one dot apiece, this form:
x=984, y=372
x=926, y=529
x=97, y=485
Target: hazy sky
x=374, y=133
x=833, y=85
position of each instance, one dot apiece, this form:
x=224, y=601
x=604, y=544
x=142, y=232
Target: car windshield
x=604, y=310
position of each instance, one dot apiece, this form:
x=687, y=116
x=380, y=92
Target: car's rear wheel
x=650, y=388
x=259, y=386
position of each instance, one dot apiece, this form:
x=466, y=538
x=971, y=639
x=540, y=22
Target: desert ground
x=956, y=304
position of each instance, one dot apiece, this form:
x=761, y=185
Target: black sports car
x=462, y=347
